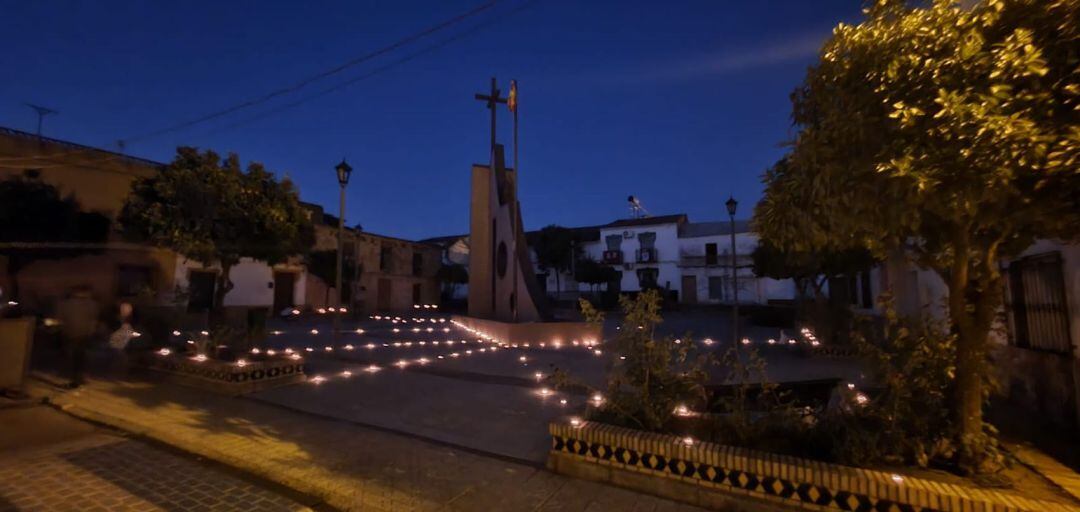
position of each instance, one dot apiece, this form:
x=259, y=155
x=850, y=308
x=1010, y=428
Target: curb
x=317, y=497
x=1045, y=466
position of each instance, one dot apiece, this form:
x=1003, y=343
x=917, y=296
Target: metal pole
x=337, y=275
x=734, y=288
x=513, y=215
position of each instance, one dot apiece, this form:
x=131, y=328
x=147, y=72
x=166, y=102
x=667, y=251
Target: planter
x=726, y=477
x=226, y=377
x=16, y=342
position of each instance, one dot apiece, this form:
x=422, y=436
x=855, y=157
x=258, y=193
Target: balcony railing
x=647, y=255
x=613, y=257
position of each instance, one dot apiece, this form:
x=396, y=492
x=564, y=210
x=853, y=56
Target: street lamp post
x=343, y=172
x=731, y=205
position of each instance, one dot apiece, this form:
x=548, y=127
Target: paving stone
x=118, y=474
x=349, y=466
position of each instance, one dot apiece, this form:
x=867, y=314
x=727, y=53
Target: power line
x=341, y=85
x=429, y=49
x=329, y=72
x=284, y=90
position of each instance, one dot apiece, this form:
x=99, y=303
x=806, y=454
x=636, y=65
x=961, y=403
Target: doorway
x=689, y=289
x=201, y=285
x=284, y=285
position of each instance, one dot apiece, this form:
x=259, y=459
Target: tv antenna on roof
x=41, y=113
x=637, y=210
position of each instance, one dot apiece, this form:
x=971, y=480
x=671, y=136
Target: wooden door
x=689, y=289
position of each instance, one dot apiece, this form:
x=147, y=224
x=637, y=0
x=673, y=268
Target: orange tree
x=214, y=212
x=951, y=133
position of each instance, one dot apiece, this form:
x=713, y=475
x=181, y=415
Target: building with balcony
x=690, y=261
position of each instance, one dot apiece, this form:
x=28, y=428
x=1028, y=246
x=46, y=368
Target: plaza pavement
x=482, y=399
x=347, y=466
x=50, y=461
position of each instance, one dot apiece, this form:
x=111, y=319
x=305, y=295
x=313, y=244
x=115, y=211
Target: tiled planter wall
x=718, y=476
x=225, y=377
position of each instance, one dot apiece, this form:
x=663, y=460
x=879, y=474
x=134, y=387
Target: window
x=647, y=278
x=710, y=254
x=867, y=296
x=647, y=239
x=717, y=287
x=614, y=242
x=416, y=298
x=385, y=255
x=1039, y=316
x=854, y=290
x=417, y=263
x=132, y=279
x=348, y=250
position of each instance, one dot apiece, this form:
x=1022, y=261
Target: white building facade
x=691, y=262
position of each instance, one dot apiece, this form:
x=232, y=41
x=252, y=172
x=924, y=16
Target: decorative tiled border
x=228, y=377
x=774, y=478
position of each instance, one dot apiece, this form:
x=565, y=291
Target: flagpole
x=517, y=176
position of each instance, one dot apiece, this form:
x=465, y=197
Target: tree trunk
x=972, y=306
x=224, y=285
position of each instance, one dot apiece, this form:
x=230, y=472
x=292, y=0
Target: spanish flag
x=511, y=100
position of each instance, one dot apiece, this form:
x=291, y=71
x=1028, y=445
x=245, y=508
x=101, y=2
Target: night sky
x=679, y=103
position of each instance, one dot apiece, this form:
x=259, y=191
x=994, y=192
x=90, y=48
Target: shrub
x=656, y=376
x=906, y=419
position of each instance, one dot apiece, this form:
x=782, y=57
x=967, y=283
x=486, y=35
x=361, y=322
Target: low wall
x=532, y=332
x=226, y=377
x=729, y=478
x=1044, y=383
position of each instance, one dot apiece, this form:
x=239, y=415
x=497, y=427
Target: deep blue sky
x=679, y=103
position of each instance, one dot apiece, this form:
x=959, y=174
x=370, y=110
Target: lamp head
x=731, y=205
x=343, y=171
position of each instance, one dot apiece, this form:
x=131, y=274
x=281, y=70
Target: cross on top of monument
x=492, y=100
x=493, y=97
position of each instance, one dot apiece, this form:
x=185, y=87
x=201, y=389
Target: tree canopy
x=210, y=210
x=948, y=132
x=918, y=124
x=34, y=212
x=808, y=267
x=554, y=246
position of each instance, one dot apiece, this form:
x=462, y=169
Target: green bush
x=905, y=420
x=656, y=376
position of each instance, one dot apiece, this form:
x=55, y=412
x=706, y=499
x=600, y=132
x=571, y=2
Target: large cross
x=492, y=100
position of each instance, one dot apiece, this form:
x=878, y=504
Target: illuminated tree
x=209, y=210
x=951, y=133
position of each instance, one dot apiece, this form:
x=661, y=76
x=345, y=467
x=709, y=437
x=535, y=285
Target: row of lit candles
x=400, y=320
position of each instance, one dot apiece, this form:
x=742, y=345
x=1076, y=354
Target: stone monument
x=505, y=300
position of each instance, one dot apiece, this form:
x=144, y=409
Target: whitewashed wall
x=667, y=249
x=251, y=281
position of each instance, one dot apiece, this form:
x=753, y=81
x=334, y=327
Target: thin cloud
x=720, y=62
x=731, y=60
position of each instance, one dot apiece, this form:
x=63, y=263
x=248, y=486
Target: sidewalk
x=51, y=461
x=348, y=467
